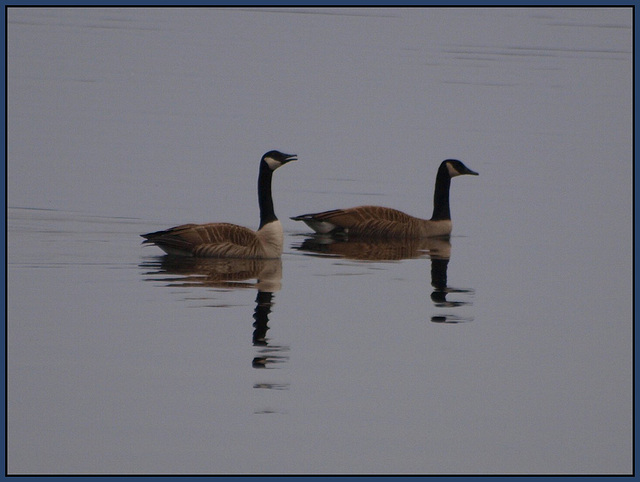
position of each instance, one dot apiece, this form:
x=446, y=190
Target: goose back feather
x=375, y=222
x=212, y=240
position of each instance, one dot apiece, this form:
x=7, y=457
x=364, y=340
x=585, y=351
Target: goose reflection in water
x=231, y=274
x=438, y=250
x=216, y=272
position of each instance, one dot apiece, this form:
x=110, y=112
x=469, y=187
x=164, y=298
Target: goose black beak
x=290, y=157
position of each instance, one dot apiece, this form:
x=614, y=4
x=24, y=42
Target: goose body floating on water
x=381, y=222
x=224, y=240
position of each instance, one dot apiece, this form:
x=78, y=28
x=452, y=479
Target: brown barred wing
x=372, y=221
x=214, y=240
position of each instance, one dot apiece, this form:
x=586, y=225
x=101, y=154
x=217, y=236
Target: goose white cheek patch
x=452, y=170
x=272, y=163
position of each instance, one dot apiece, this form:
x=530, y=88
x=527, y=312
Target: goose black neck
x=265, y=201
x=441, y=195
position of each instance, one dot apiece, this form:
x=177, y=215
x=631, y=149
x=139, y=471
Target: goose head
x=457, y=168
x=274, y=159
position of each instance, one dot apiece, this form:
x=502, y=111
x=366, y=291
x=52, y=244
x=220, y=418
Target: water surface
x=506, y=349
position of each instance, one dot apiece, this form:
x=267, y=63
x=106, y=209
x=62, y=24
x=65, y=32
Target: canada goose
x=381, y=222
x=224, y=240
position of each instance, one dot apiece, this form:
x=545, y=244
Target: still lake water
x=505, y=350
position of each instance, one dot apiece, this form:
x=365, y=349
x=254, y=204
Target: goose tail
x=319, y=226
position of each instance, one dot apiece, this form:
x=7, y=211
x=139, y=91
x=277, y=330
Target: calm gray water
x=507, y=350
